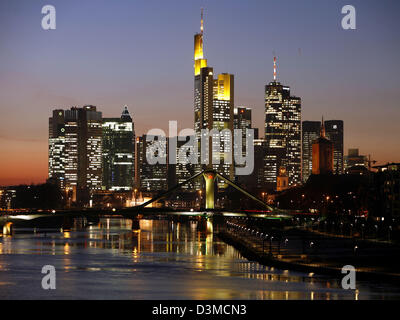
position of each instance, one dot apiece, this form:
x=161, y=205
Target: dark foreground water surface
x=161, y=260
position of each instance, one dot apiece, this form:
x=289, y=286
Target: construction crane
x=370, y=162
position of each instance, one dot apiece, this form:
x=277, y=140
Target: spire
x=202, y=22
x=125, y=114
x=199, y=61
x=322, y=132
x=274, y=69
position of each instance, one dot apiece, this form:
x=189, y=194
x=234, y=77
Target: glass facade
x=334, y=132
x=118, y=159
x=282, y=134
x=75, y=144
x=213, y=108
x=310, y=133
x=151, y=177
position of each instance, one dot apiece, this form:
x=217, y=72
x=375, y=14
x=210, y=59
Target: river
x=158, y=259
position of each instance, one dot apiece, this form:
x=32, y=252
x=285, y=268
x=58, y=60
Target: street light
x=270, y=244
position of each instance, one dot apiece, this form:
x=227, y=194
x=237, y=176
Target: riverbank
x=324, y=263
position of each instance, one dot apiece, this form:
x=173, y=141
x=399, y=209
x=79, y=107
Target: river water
x=160, y=260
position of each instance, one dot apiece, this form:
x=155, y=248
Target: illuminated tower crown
x=199, y=61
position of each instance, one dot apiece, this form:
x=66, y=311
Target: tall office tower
x=150, y=177
x=310, y=133
x=203, y=86
x=71, y=153
x=260, y=151
x=89, y=152
x=57, y=148
x=242, y=120
x=256, y=180
x=334, y=132
x=78, y=166
x=222, y=118
x=322, y=150
x=213, y=105
x=282, y=133
x=118, y=158
x=183, y=170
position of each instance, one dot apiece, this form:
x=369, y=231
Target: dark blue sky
x=140, y=53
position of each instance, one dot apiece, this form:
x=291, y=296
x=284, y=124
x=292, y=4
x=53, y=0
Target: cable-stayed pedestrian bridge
x=210, y=177
x=63, y=217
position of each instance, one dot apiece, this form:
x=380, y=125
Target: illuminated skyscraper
x=57, y=148
x=256, y=180
x=71, y=152
x=118, y=152
x=223, y=119
x=183, y=170
x=310, y=133
x=334, y=132
x=150, y=177
x=242, y=121
x=282, y=133
x=89, y=152
x=75, y=143
x=213, y=105
x=203, y=85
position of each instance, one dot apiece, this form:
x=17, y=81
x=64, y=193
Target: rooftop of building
x=386, y=166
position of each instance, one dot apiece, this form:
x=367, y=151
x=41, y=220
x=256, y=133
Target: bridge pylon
x=8, y=229
x=209, y=178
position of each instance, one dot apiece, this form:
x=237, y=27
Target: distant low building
x=7, y=196
x=353, y=159
x=388, y=181
x=282, y=181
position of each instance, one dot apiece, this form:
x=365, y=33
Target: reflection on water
x=153, y=259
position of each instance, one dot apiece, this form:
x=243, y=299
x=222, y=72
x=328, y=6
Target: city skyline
x=41, y=89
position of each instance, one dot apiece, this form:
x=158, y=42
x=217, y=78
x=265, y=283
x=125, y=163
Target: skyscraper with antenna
x=282, y=133
x=213, y=102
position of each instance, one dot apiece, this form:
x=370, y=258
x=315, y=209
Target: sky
x=140, y=54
